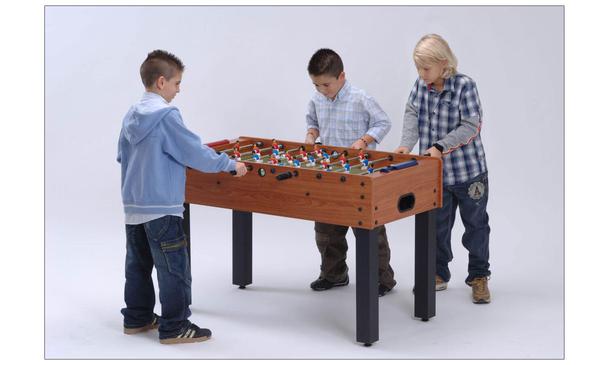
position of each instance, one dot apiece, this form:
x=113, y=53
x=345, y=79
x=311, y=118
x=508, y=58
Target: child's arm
x=470, y=120
x=186, y=147
x=312, y=124
x=379, y=123
x=410, y=132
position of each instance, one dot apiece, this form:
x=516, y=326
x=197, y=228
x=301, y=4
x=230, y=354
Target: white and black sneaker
x=191, y=333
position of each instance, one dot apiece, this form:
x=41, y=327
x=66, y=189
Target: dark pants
x=332, y=245
x=160, y=243
x=472, y=199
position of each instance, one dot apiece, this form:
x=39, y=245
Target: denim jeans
x=332, y=245
x=160, y=243
x=472, y=199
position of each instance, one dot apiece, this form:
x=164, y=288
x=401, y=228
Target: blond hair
x=432, y=49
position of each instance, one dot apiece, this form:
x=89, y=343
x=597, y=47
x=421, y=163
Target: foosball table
x=329, y=184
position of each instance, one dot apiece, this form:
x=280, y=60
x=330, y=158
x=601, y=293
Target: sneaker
x=439, y=284
x=191, y=333
x=382, y=290
x=481, y=293
x=150, y=326
x=323, y=284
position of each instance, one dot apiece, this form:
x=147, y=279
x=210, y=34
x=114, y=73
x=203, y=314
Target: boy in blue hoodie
x=154, y=149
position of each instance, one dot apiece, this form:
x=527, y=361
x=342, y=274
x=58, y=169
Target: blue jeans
x=472, y=198
x=160, y=243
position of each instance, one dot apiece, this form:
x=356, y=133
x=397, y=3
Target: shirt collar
x=344, y=91
x=342, y=94
x=150, y=96
x=448, y=85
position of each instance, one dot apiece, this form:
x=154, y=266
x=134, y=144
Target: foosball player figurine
x=302, y=153
x=361, y=155
x=273, y=160
x=289, y=158
x=311, y=160
x=275, y=147
x=364, y=163
x=318, y=151
x=326, y=166
x=237, y=146
x=296, y=163
x=343, y=158
x=237, y=155
x=326, y=156
x=347, y=167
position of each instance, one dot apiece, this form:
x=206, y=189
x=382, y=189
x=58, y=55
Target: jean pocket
x=176, y=257
x=157, y=228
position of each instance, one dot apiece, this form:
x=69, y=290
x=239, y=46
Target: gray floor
x=279, y=316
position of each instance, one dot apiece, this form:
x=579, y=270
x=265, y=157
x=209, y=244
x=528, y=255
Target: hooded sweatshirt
x=154, y=149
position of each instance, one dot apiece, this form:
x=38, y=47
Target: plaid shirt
x=451, y=118
x=350, y=116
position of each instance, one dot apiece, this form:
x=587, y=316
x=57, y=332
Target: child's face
x=431, y=73
x=169, y=88
x=328, y=85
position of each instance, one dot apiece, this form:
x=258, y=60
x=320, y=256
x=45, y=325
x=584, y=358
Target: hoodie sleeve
x=186, y=147
x=118, y=155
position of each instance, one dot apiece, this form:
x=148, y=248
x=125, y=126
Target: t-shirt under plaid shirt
x=452, y=118
x=351, y=115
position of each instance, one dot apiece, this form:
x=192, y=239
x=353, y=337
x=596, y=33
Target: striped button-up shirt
x=351, y=115
x=452, y=118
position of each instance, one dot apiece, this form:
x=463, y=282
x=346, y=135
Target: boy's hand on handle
x=402, y=149
x=240, y=169
x=359, y=144
x=434, y=152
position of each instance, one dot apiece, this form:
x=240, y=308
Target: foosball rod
x=245, y=146
x=390, y=158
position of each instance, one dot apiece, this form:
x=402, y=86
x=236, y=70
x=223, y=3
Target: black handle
x=285, y=175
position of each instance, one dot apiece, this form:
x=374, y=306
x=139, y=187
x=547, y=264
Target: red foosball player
x=302, y=153
x=361, y=155
x=289, y=158
x=273, y=160
x=237, y=146
x=318, y=151
x=237, y=155
x=326, y=166
x=343, y=159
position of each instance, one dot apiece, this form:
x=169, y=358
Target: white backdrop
x=246, y=75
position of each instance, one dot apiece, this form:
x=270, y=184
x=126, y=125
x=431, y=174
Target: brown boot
x=481, y=293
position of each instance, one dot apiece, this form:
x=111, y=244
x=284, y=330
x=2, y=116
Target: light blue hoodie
x=154, y=149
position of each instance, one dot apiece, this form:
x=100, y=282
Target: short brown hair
x=159, y=63
x=325, y=62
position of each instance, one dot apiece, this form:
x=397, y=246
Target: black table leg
x=241, y=248
x=367, y=285
x=186, y=225
x=426, y=246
